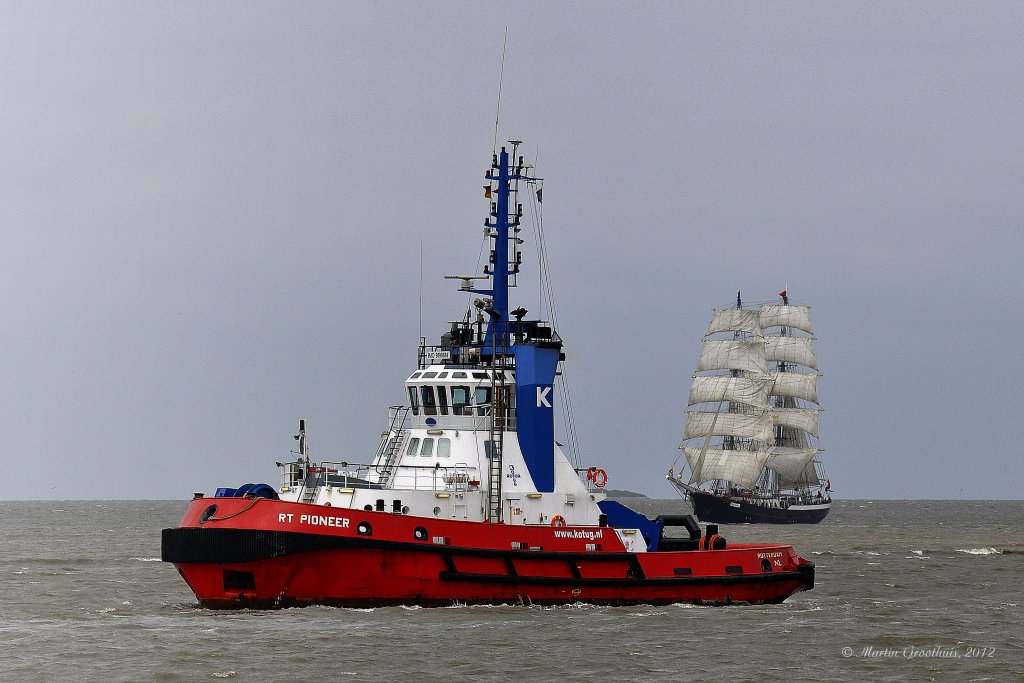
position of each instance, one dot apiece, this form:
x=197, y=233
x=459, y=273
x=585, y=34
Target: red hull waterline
x=258, y=553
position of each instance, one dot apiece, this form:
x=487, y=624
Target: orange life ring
x=558, y=520
x=600, y=478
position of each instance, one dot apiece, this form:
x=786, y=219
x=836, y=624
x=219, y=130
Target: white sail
x=750, y=457
x=781, y=315
x=708, y=423
x=733, y=354
x=791, y=464
x=740, y=467
x=798, y=350
x=794, y=384
x=735, y=320
x=805, y=419
x=750, y=390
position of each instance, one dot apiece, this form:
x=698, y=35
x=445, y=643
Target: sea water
x=906, y=591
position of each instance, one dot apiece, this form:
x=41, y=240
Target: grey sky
x=213, y=215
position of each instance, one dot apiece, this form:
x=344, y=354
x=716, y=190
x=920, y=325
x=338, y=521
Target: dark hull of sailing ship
x=709, y=507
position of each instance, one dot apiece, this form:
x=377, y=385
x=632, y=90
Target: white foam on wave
x=224, y=674
x=980, y=551
x=145, y=559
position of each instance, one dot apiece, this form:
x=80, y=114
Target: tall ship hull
x=709, y=507
x=750, y=441
x=469, y=499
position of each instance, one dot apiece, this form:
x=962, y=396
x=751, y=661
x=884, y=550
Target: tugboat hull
x=254, y=560
x=711, y=508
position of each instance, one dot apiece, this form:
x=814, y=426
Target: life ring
x=600, y=478
x=558, y=520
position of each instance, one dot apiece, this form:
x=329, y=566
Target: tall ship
x=751, y=438
x=468, y=499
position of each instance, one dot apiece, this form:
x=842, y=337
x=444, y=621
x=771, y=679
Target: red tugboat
x=468, y=498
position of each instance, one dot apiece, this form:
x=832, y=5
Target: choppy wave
x=980, y=551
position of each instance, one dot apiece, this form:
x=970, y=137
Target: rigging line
x=501, y=79
x=480, y=254
x=545, y=277
x=545, y=271
x=421, y=289
x=548, y=290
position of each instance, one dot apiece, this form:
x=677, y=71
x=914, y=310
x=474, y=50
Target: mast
x=794, y=391
x=503, y=226
x=532, y=352
x=497, y=329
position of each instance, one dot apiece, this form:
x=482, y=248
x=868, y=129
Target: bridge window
x=414, y=443
x=442, y=399
x=429, y=404
x=459, y=375
x=414, y=400
x=429, y=375
x=444, y=448
x=483, y=397
x=428, y=447
x=460, y=401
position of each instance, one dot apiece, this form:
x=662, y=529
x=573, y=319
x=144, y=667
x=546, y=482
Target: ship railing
x=588, y=476
x=457, y=477
x=466, y=357
x=478, y=420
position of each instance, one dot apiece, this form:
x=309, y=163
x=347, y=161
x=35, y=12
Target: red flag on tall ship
x=828, y=484
x=784, y=293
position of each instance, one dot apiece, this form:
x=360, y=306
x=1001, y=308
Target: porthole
x=364, y=529
x=437, y=512
x=419, y=533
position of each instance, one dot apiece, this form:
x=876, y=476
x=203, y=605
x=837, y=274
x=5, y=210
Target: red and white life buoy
x=558, y=520
x=600, y=478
